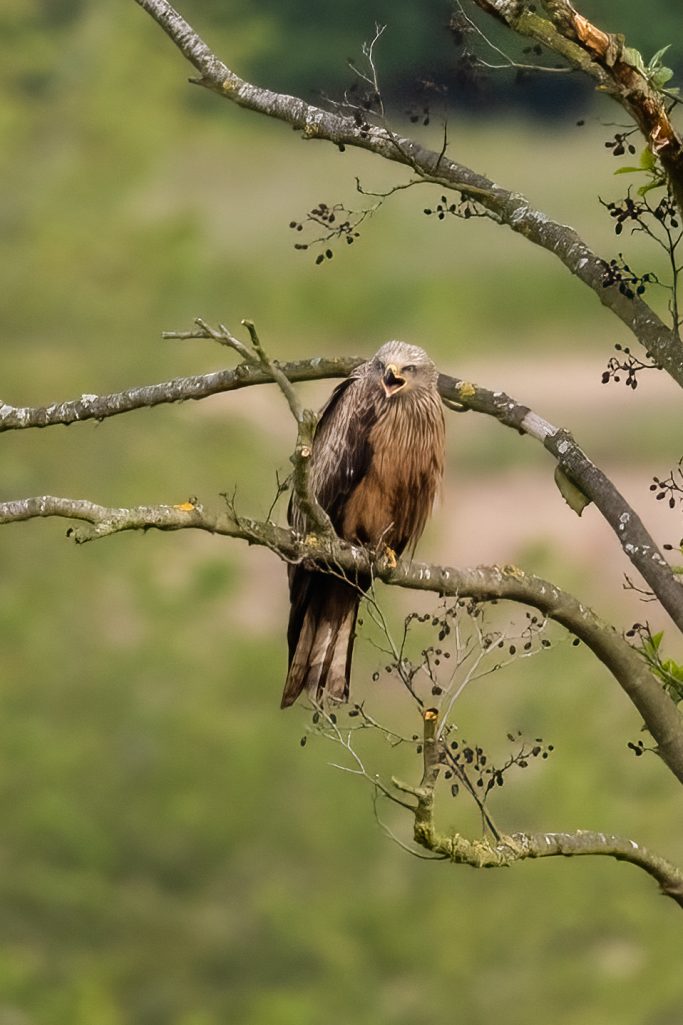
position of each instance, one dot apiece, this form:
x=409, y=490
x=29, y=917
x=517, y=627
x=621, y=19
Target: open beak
x=392, y=380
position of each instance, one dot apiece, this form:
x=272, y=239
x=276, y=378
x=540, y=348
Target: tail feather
x=321, y=633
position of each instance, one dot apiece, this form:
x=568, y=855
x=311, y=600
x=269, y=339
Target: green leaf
x=573, y=496
x=635, y=59
x=673, y=669
x=644, y=189
x=648, y=161
x=657, y=58
x=661, y=77
x=629, y=170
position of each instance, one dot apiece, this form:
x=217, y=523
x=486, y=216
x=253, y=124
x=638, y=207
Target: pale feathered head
x=403, y=368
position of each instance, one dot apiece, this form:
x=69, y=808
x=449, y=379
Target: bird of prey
x=376, y=465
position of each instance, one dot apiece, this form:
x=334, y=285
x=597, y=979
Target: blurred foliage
x=282, y=46
x=170, y=854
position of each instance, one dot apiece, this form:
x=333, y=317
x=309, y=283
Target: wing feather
x=342, y=451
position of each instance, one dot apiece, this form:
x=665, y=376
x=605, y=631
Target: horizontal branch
x=510, y=208
x=637, y=544
x=507, y=850
x=482, y=583
x=180, y=389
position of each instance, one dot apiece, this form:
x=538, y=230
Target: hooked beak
x=392, y=381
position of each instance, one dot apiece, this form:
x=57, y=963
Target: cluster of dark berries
x=418, y=113
x=328, y=218
x=669, y=488
x=627, y=210
x=638, y=748
x=617, y=272
x=442, y=208
x=641, y=630
x=628, y=365
x=427, y=89
x=666, y=213
x=361, y=123
x=470, y=763
x=431, y=660
x=465, y=208
x=365, y=99
x=534, y=625
x=432, y=656
x=619, y=145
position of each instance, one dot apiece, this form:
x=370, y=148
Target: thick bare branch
x=507, y=850
x=485, y=583
x=637, y=544
x=180, y=389
x=510, y=208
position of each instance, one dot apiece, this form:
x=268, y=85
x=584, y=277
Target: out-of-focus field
x=169, y=852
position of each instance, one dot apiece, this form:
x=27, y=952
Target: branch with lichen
x=590, y=482
x=509, y=849
x=484, y=583
x=510, y=208
x=306, y=420
x=616, y=69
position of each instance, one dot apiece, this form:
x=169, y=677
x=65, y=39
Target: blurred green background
x=170, y=854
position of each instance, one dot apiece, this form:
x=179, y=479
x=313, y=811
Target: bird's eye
x=410, y=369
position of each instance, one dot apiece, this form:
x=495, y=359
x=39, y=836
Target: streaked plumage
x=376, y=466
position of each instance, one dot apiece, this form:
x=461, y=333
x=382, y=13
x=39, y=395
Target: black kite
x=376, y=466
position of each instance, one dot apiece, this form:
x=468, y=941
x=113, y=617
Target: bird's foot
x=390, y=556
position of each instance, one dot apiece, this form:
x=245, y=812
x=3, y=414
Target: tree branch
x=521, y=846
x=180, y=389
x=637, y=544
x=510, y=208
x=606, y=59
x=484, y=583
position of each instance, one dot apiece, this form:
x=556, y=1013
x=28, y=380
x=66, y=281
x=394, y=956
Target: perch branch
x=510, y=208
x=484, y=583
x=636, y=542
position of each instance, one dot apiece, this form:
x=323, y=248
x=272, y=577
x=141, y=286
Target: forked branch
x=507, y=850
x=637, y=544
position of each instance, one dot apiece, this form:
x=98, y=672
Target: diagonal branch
x=615, y=68
x=510, y=208
x=635, y=540
x=521, y=846
x=485, y=583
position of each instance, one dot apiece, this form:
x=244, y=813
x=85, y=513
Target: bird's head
x=403, y=368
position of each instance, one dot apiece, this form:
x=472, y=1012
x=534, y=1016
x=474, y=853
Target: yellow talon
x=391, y=557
